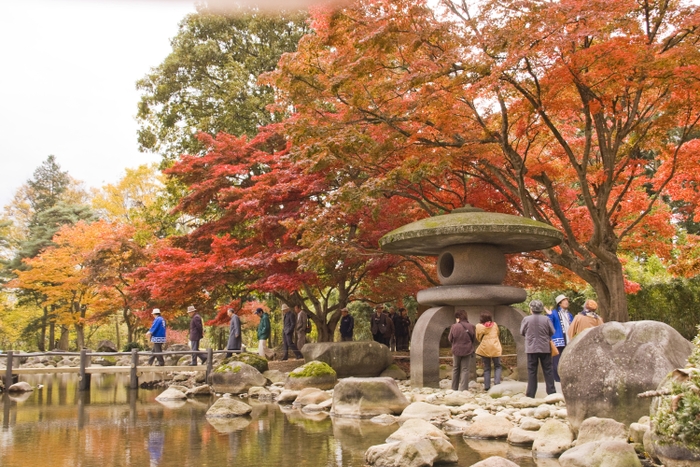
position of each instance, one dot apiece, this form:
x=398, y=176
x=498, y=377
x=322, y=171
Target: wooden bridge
x=85, y=370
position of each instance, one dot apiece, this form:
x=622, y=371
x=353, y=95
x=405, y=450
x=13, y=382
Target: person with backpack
x=301, y=327
x=462, y=335
x=489, y=349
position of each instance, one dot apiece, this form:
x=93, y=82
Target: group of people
x=157, y=334
x=546, y=337
x=391, y=328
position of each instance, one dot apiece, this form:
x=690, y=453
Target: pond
x=111, y=425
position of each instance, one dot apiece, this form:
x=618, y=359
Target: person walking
x=587, y=318
x=289, y=323
x=196, y=334
x=300, y=327
x=347, y=325
x=489, y=349
x=378, y=324
x=561, y=320
x=538, y=331
x=461, y=336
x=234, y=332
x=263, y=331
x=402, y=327
x=157, y=337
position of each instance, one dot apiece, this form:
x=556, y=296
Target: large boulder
x=367, y=398
x=601, y=429
x=252, y=359
x=311, y=375
x=601, y=454
x=360, y=358
x=604, y=369
x=553, y=439
x=107, y=346
x=236, y=378
x=488, y=427
x=228, y=407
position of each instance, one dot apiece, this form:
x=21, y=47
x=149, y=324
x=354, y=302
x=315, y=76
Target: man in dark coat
x=234, y=332
x=347, y=325
x=196, y=334
x=538, y=331
x=378, y=324
x=289, y=323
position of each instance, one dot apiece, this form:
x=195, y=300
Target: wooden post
x=8, y=370
x=85, y=377
x=210, y=364
x=134, y=382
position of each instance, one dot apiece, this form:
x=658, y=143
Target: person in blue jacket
x=157, y=336
x=561, y=319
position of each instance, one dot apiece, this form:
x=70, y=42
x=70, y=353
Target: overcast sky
x=67, y=83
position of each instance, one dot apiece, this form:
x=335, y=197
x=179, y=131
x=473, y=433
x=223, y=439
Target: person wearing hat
x=289, y=322
x=234, y=332
x=347, y=325
x=196, y=334
x=561, y=320
x=538, y=331
x=588, y=318
x=263, y=331
x=379, y=324
x=157, y=336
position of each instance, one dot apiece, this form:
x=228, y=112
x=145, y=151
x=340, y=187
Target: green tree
x=208, y=83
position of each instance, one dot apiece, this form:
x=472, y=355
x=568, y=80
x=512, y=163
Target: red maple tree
x=578, y=114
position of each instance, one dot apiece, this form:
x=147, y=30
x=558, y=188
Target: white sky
x=67, y=83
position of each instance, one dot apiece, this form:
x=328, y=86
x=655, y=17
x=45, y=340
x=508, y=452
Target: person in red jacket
x=461, y=336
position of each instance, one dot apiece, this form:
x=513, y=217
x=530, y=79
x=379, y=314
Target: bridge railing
x=85, y=370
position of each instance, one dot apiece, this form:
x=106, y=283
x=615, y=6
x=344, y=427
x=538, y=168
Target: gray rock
x=313, y=374
x=107, y=346
x=554, y=438
x=507, y=388
x=455, y=426
x=425, y=411
x=416, y=428
x=414, y=453
x=311, y=396
x=521, y=437
x=601, y=429
x=488, y=427
x=22, y=386
x=637, y=431
x=393, y=371
x=530, y=424
x=259, y=392
x=171, y=394
x=236, y=378
x=457, y=399
x=601, y=454
x=230, y=424
x=603, y=370
x=275, y=376
x=495, y=461
x=227, y=407
x=287, y=396
x=203, y=390
x=384, y=419
x=360, y=358
x=367, y=397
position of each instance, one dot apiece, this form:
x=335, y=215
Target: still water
x=113, y=426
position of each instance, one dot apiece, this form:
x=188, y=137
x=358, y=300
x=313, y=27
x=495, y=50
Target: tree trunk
x=64, y=339
x=609, y=285
x=80, y=336
x=52, y=335
x=42, y=339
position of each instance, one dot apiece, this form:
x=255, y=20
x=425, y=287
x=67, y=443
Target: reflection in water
x=114, y=426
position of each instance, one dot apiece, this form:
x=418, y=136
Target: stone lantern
x=471, y=246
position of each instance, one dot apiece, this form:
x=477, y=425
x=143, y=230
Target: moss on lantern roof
x=512, y=234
